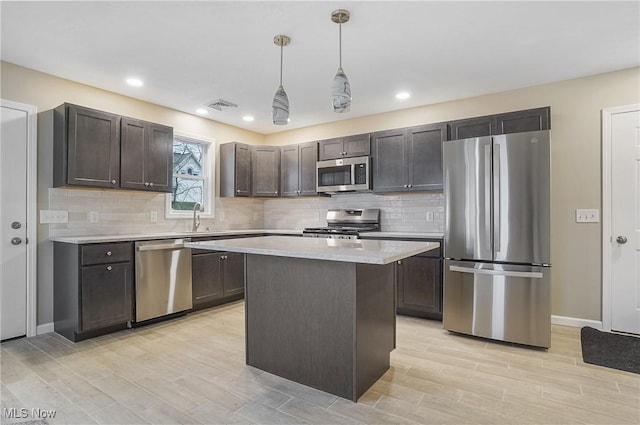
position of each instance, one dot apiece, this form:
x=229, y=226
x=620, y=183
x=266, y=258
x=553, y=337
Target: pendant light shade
x=280, y=107
x=341, y=89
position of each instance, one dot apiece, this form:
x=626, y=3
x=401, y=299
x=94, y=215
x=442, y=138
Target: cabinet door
x=468, y=128
x=289, y=169
x=106, y=293
x=93, y=147
x=206, y=277
x=133, y=154
x=419, y=290
x=424, y=156
x=389, y=169
x=242, y=170
x=265, y=171
x=330, y=149
x=359, y=145
x=233, y=273
x=159, y=158
x=521, y=121
x=308, y=157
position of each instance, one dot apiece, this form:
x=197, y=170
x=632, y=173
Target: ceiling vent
x=221, y=105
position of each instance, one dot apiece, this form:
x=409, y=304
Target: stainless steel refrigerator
x=497, y=253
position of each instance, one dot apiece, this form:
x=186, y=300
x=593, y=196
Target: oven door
x=342, y=175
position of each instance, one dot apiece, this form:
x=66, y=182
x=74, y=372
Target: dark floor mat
x=607, y=349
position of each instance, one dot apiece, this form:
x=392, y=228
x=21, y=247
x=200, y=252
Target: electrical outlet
x=429, y=215
x=94, y=216
x=53, y=216
x=153, y=217
x=587, y=216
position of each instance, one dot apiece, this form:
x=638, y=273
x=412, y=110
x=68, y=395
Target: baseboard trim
x=575, y=322
x=44, y=329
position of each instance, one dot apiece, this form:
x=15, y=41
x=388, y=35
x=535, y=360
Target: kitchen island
x=320, y=312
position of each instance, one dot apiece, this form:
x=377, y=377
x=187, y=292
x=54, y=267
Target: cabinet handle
x=410, y=185
x=109, y=268
x=109, y=253
x=151, y=184
x=238, y=191
x=406, y=185
x=146, y=183
x=113, y=182
x=399, y=261
x=276, y=192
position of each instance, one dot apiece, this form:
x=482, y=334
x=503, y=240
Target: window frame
x=208, y=189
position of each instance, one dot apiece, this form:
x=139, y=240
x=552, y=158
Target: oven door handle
x=353, y=174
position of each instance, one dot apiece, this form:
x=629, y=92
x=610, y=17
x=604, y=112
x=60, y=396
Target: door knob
x=16, y=241
x=16, y=225
x=621, y=239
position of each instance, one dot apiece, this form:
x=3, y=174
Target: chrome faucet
x=196, y=218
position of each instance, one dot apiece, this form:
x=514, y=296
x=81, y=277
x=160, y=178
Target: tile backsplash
x=129, y=212
x=398, y=212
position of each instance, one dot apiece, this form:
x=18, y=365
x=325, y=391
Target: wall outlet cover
x=94, y=216
x=53, y=216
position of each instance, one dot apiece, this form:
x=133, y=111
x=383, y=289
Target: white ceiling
x=190, y=53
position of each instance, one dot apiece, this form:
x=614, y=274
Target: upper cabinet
x=298, y=169
x=146, y=155
x=86, y=147
x=98, y=149
x=344, y=147
x=235, y=169
x=521, y=121
x=510, y=122
x=265, y=171
x=408, y=159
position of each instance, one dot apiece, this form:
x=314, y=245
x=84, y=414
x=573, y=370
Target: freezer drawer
x=498, y=301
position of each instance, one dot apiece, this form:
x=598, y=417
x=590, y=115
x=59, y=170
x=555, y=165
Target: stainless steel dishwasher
x=163, y=278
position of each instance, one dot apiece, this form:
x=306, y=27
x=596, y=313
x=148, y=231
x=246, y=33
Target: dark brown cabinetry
x=419, y=285
x=298, y=169
x=146, y=155
x=235, y=169
x=98, y=149
x=86, y=147
x=408, y=159
x=93, y=288
x=265, y=171
x=344, y=147
x=217, y=277
x=510, y=122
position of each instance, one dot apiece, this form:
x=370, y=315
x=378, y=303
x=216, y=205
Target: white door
x=16, y=269
x=624, y=226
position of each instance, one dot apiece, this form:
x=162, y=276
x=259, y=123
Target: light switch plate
x=53, y=216
x=587, y=216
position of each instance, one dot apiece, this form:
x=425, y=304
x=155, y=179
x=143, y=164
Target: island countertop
x=346, y=250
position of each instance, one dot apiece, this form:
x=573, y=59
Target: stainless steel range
x=346, y=224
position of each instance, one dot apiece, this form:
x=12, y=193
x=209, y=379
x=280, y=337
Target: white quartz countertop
x=169, y=235
x=346, y=250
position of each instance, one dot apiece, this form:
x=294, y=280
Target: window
x=192, y=177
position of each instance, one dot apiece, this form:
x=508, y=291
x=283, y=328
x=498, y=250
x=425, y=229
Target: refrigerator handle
x=487, y=194
x=534, y=275
x=497, y=210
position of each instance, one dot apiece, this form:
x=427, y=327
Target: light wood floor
x=191, y=370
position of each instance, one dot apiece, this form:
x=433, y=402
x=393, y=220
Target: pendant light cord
x=281, y=52
x=340, y=49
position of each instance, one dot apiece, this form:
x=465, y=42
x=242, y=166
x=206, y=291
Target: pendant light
x=281, y=100
x=341, y=89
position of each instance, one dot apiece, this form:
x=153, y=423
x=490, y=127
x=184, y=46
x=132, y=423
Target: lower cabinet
x=93, y=288
x=217, y=277
x=419, y=285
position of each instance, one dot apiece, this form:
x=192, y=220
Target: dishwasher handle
x=159, y=247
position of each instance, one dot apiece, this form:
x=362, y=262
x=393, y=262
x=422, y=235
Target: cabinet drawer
x=106, y=253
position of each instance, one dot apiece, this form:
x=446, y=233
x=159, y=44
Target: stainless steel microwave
x=344, y=175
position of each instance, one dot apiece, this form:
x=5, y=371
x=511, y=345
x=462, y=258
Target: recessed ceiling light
x=202, y=111
x=135, y=82
x=403, y=95
x=247, y=118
